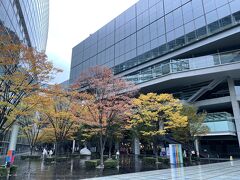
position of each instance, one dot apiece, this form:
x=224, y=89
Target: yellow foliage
x=62, y=113
x=46, y=136
x=155, y=114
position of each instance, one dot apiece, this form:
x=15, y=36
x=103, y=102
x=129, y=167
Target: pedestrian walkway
x=229, y=170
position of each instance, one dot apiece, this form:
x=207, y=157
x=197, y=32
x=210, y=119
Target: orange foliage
x=23, y=71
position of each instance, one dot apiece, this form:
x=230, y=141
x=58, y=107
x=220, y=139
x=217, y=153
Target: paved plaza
x=217, y=171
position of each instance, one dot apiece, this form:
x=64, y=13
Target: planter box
x=13, y=170
x=149, y=161
x=110, y=163
x=91, y=164
x=32, y=157
x=3, y=172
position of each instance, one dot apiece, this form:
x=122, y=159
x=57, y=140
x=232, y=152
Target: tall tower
x=26, y=21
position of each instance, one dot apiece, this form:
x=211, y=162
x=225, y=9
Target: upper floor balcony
x=176, y=66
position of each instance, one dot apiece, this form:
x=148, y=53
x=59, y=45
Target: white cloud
x=71, y=21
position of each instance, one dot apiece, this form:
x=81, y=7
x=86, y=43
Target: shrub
x=90, y=164
x=13, y=170
x=105, y=157
x=95, y=155
x=186, y=159
x=24, y=157
x=110, y=163
x=164, y=160
x=74, y=155
x=61, y=159
x=49, y=159
x=35, y=157
x=149, y=161
x=195, y=159
x=32, y=157
x=3, y=172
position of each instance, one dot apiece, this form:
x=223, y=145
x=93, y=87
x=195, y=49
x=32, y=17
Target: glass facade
x=150, y=29
x=220, y=122
x=26, y=19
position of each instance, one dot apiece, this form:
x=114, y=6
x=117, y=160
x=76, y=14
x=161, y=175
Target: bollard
x=231, y=158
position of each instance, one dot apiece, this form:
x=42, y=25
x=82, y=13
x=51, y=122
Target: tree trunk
x=56, y=148
x=110, y=149
x=190, y=151
x=155, y=150
x=59, y=148
x=190, y=156
x=101, y=150
x=31, y=150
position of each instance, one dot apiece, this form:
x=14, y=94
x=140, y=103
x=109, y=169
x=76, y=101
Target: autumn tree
x=155, y=115
x=106, y=99
x=22, y=71
x=46, y=135
x=30, y=119
x=195, y=126
x=62, y=115
x=31, y=127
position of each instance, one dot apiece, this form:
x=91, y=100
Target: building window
x=191, y=36
x=225, y=21
x=213, y=27
x=236, y=16
x=201, y=32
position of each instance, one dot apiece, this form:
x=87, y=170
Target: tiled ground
x=218, y=171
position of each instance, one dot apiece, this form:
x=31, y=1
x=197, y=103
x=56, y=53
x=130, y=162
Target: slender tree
x=31, y=127
x=154, y=115
x=115, y=133
x=106, y=99
x=29, y=118
x=195, y=127
x=62, y=115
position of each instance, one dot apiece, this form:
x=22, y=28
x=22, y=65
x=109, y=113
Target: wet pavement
x=218, y=171
x=74, y=168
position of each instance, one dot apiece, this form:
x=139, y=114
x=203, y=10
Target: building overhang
x=220, y=134
x=213, y=102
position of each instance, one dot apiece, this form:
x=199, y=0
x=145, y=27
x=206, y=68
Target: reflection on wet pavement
x=74, y=168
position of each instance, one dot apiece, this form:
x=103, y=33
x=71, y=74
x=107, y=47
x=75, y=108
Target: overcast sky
x=71, y=21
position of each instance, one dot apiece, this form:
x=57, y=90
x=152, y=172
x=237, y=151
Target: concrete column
x=73, y=146
x=136, y=146
x=196, y=143
x=137, y=164
x=235, y=106
x=13, y=138
x=12, y=145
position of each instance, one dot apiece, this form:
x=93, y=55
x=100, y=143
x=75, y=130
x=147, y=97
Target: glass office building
x=27, y=21
x=190, y=48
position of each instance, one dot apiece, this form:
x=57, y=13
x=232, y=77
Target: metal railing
x=182, y=65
